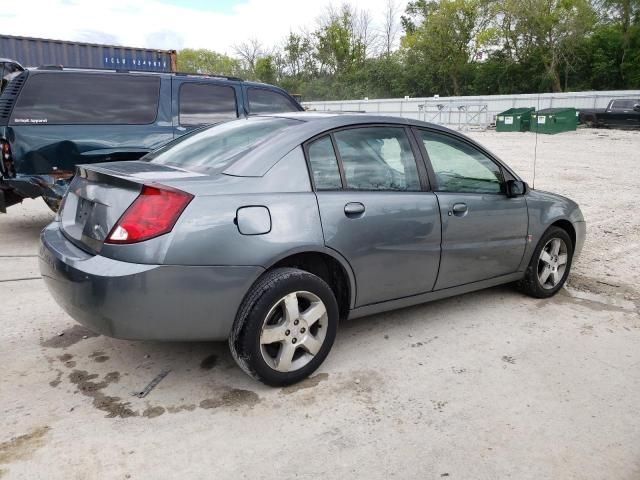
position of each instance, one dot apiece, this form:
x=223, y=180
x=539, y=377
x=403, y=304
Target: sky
x=171, y=24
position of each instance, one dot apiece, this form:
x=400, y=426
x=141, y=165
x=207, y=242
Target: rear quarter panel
x=207, y=234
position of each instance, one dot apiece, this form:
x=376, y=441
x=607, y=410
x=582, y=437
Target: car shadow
x=147, y=378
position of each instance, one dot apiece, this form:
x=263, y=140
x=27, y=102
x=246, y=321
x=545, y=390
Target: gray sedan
x=268, y=231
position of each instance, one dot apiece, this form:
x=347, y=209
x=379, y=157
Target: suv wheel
x=285, y=327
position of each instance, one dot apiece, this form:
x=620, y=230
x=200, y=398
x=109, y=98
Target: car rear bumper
x=142, y=302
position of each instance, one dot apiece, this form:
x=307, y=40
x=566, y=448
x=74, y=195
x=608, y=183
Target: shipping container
x=35, y=52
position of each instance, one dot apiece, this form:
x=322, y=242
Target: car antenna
x=535, y=148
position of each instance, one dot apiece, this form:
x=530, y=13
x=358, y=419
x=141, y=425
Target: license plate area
x=83, y=211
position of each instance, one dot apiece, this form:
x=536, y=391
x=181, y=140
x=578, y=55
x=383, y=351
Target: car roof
x=312, y=123
x=262, y=158
x=345, y=118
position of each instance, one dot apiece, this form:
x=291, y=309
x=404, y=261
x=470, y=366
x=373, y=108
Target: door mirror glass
x=516, y=188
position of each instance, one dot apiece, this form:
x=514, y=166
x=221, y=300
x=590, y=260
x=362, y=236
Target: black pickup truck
x=620, y=113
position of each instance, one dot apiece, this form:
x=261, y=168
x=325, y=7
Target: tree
x=298, y=55
x=551, y=30
x=391, y=27
x=342, y=39
x=265, y=69
x=445, y=37
x=625, y=16
x=449, y=47
x=249, y=52
x=207, y=62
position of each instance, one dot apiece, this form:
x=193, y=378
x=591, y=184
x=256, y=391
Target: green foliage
x=453, y=47
x=339, y=48
x=265, y=69
x=207, y=62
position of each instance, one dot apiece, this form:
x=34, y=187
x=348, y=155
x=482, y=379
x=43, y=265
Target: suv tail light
x=153, y=213
x=6, y=163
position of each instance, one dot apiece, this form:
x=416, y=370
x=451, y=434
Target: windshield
x=216, y=147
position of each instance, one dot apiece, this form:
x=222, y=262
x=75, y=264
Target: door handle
x=353, y=209
x=459, y=209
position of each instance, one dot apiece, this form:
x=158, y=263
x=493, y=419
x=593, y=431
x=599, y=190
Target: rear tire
x=285, y=327
x=549, y=266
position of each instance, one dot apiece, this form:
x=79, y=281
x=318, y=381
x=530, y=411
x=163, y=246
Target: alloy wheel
x=552, y=263
x=293, y=331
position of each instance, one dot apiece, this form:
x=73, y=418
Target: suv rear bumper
x=142, y=302
x=14, y=190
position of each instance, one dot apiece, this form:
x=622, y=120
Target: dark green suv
x=52, y=119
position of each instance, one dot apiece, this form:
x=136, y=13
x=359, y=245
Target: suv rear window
x=269, y=101
x=93, y=99
x=202, y=103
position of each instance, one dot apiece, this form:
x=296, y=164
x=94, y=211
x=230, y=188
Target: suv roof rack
x=50, y=67
x=208, y=75
x=125, y=70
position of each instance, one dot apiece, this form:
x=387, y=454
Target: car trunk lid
x=101, y=193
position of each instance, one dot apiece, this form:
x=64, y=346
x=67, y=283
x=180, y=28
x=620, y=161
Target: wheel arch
x=568, y=227
x=329, y=265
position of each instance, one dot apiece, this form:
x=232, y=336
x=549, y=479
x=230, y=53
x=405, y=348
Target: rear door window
x=377, y=158
x=202, y=103
x=324, y=165
x=86, y=98
x=269, y=101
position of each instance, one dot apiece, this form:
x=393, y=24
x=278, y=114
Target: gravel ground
x=487, y=385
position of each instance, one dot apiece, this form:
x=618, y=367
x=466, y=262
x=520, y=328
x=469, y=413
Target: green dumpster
x=514, y=120
x=554, y=120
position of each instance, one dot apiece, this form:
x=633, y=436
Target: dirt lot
x=487, y=385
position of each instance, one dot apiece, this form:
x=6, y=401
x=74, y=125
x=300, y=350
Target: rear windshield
x=269, y=101
x=215, y=147
x=624, y=104
x=88, y=99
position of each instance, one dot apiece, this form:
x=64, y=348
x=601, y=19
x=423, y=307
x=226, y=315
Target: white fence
x=469, y=112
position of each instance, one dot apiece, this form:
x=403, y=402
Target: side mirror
x=516, y=188
x=636, y=107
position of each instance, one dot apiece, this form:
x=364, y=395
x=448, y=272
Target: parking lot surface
x=487, y=385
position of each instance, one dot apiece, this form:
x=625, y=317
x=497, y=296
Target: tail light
x=153, y=213
x=6, y=163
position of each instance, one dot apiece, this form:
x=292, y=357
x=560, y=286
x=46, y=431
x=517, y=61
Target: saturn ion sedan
x=268, y=231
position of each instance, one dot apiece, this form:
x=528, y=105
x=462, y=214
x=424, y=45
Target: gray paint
x=403, y=249
x=253, y=220
x=393, y=247
x=486, y=242
x=546, y=208
x=128, y=300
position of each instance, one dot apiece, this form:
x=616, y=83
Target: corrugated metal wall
x=446, y=110
x=34, y=52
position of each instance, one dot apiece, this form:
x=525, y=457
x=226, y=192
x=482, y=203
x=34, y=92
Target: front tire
x=550, y=264
x=285, y=327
